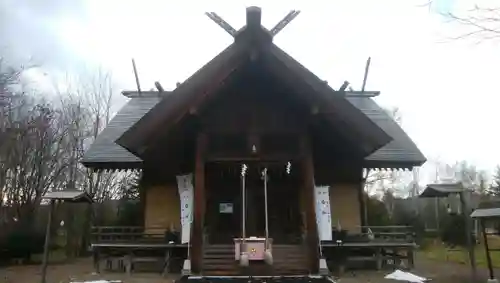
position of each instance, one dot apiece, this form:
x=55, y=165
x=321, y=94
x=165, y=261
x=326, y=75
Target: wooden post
x=468, y=230
x=488, y=256
x=142, y=198
x=47, y=242
x=362, y=202
x=308, y=187
x=199, y=204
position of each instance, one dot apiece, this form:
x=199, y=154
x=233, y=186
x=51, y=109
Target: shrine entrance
x=224, y=201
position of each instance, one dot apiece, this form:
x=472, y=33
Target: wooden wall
x=162, y=208
x=345, y=206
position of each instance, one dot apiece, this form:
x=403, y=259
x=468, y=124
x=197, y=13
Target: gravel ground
x=439, y=272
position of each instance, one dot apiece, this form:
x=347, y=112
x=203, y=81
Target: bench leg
x=341, y=270
x=121, y=264
x=128, y=265
x=378, y=259
x=411, y=258
x=166, y=263
x=95, y=258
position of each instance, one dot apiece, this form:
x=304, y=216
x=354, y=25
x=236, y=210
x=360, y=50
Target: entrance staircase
x=288, y=260
x=219, y=260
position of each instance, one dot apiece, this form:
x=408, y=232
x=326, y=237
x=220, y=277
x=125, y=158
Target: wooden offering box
x=255, y=247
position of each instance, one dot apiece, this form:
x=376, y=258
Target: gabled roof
x=442, y=190
x=69, y=196
x=136, y=125
x=401, y=151
x=486, y=213
x=251, y=42
x=105, y=153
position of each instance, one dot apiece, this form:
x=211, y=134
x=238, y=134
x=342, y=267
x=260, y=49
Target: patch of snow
x=405, y=276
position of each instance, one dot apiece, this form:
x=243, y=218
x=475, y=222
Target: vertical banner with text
x=323, y=212
x=186, y=194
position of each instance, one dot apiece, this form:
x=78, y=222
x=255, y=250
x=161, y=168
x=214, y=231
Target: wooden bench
x=135, y=252
x=382, y=252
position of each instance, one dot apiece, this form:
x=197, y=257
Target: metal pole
x=243, y=207
x=47, y=242
x=468, y=230
x=265, y=208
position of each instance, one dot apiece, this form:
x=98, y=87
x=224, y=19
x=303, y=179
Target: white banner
x=323, y=213
x=186, y=194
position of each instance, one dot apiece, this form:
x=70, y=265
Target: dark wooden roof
x=442, y=190
x=104, y=152
x=69, y=196
x=136, y=126
x=252, y=43
x=401, y=152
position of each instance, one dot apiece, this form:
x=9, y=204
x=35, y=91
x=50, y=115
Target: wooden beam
x=308, y=187
x=199, y=203
x=221, y=157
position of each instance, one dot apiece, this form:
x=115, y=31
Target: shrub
x=21, y=243
x=454, y=232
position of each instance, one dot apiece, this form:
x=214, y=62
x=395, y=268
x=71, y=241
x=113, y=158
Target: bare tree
x=31, y=143
x=483, y=23
x=89, y=103
x=480, y=22
x=41, y=144
x=31, y=153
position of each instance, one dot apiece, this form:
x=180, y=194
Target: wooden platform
x=287, y=260
x=258, y=279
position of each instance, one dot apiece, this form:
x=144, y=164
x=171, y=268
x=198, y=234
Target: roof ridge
x=145, y=94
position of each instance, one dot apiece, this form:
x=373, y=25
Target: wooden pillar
x=45, y=260
x=362, y=201
x=199, y=204
x=468, y=230
x=142, y=197
x=310, y=211
x=487, y=249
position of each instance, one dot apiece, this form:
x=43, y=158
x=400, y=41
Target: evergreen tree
x=129, y=210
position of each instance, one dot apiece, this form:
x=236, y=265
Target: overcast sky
x=448, y=93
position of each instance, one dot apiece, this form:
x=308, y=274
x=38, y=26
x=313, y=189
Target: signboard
x=226, y=208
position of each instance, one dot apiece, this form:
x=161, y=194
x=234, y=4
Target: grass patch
x=438, y=251
x=55, y=256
